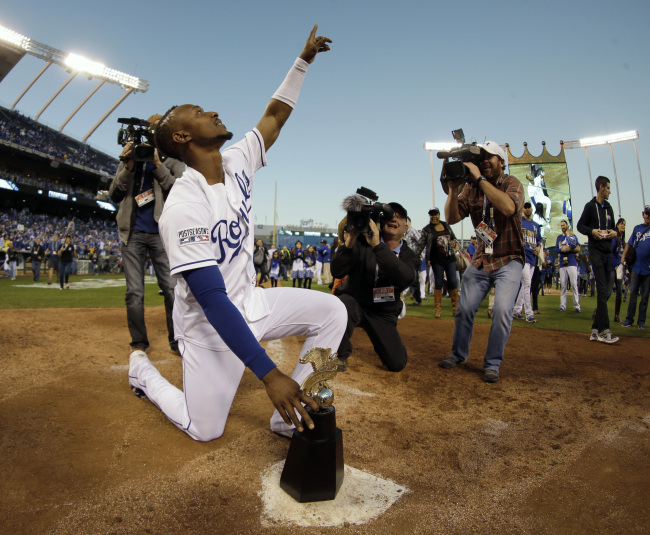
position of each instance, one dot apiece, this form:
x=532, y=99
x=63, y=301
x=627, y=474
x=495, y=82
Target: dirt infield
x=560, y=445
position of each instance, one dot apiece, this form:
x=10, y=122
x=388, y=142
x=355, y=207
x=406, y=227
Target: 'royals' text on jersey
x=203, y=225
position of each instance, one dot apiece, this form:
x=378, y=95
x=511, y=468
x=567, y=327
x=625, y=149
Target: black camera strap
x=138, y=177
x=485, y=206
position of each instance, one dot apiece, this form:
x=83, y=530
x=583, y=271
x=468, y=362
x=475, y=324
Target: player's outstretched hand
x=286, y=397
x=314, y=45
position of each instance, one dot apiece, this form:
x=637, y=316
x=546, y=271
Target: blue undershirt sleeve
x=209, y=289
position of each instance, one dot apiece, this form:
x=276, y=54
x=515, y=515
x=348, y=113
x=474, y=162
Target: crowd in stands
x=23, y=131
x=88, y=235
x=20, y=178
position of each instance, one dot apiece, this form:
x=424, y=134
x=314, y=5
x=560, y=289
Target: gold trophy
x=313, y=471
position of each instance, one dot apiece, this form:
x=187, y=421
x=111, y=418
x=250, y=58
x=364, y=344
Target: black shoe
x=491, y=376
x=342, y=365
x=138, y=392
x=415, y=304
x=448, y=363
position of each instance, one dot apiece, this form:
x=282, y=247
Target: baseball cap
x=399, y=209
x=646, y=210
x=434, y=211
x=324, y=241
x=527, y=204
x=494, y=148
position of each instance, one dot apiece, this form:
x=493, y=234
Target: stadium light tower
x=446, y=146
x=75, y=63
x=609, y=139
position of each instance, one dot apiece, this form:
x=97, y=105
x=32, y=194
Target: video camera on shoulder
x=363, y=207
x=454, y=169
x=140, y=133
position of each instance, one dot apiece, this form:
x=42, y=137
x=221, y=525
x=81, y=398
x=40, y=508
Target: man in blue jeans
x=141, y=188
x=494, y=201
x=640, y=240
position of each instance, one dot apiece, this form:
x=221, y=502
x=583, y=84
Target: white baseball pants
x=423, y=281
x=523, y=299
x=211, y=378
x=569, y=273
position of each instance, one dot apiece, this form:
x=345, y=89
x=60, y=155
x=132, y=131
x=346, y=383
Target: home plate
x=361, y=498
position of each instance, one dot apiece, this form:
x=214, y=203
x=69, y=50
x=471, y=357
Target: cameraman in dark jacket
x=379, y=266
x=141, y=188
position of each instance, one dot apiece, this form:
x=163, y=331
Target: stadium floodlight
x=80, y=63
x=99, y=70
x=609, y=139
x=71, y=61
x=14, y=38
x=446, y=146
x=75, y=63
x=440, y=146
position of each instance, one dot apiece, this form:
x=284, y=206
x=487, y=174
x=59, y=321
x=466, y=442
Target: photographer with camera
x=140, y=186
x=379, y=266
x=494, y=201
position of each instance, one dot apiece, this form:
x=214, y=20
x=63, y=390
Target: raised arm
x=499, y=199
x=284, y=99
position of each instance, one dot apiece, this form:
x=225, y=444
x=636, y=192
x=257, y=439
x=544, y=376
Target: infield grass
x=549, y=318
x=107, y=291
x=86, y=291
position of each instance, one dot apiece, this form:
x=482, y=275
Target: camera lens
x=358, y=222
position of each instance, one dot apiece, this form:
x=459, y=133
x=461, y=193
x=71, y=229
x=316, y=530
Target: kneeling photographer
x=140, y=186
x=379, y=266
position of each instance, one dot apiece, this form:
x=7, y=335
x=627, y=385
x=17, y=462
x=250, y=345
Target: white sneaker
x=287, y=433
x=403, y=311
x=594, y=335
x=136, y=357
x=607, y=337
x=279, y=427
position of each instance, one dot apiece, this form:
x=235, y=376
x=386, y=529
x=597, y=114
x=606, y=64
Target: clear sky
x=398, y=74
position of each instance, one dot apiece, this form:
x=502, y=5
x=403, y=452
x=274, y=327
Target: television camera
x=363, y=207
x=140, y=133
x=454, y=169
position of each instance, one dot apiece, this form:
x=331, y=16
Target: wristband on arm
x=290, y=88
x=209, y=289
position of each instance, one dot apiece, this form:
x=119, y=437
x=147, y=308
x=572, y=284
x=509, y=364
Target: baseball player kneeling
x=219, y=314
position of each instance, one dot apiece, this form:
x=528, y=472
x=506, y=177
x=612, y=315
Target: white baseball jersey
x=203, y=225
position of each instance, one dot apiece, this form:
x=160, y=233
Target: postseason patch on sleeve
x=193, y=235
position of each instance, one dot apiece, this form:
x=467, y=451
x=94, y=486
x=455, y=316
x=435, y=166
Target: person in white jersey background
x=219, y=314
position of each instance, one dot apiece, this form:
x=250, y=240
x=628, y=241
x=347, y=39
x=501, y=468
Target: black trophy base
x=313, y=471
